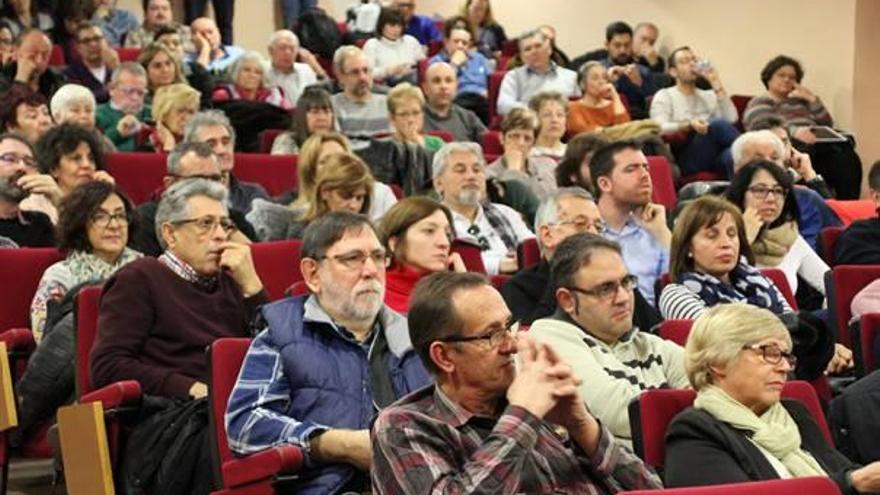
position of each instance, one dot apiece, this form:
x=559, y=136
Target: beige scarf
x=772, y=244
x=775, y=431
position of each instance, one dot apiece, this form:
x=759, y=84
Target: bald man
x=211, y=53
x=440, y=86
x=31, y=66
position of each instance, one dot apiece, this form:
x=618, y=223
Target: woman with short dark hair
x=392, y=54
x=314, y=113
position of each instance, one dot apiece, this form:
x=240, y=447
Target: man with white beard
x=459, y=173
x=325, y=363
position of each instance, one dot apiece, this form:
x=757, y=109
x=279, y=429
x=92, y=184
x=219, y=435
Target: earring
x=690, y=255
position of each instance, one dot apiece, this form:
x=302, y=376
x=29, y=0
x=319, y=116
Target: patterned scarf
x=188, y=273
x=774, y=430
x=747, y=284
x=772, y=244
x=86, y=267
x=500, y=225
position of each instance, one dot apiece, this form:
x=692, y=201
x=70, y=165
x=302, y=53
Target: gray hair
x=442, y=155
x=174, y=205
x=283, y=33
x=68, y=95
x=202, y=150
x=132, y=68
x=531, y=34
x=207, y=118
x=646, y=24
x=721, y=332
x=548, y=210
x=746, y=139
x=342, y=54
x=325, y=231
x=250, y=56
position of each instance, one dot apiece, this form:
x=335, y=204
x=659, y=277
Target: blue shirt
x=423, y=29
x=473, y=75
x=231, y=53
x=643, y=255
x=636, y=96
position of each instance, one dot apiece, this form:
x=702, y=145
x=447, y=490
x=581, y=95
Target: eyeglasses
x=91, y=39
x=208, y=224
x=772, y=354
x=608, y=290
x=582, y=224
x=761, y=192
x=210, y=177
x=133, y=91
x=474, y=230
x=13, y=158
x=494, y=337
x=102, y=218
x=358, y=259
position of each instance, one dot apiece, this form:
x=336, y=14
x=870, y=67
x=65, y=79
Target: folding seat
x=661, y=178
x=128, y=54
x=277, y=264
x=471, y=255
x=676, y=330
x=528, y=253
x=827, y=240
x=267, y=139
x=842, y=283
x=864, y=336
x=254, y=474
x=494, y=86
x=740, y=102
x=138, y=174
x=56, y=56
x=491, y=143
x=276, y=173
x=792, y=486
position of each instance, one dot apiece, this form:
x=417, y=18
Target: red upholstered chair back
x=664, y=186
x=842, y=284
x=470, y=254
x=277, y=264
x=128, y=54
x=139, y=175
x=827, y=239
x=805, y=392
x=781, y=283
x=676, y=330
x=495, y=79
x=869, y=331
x=277, y=173
x=446, y=136
x=267, y=139
x=528, y=253
x=225, y=356
x=793, y=486
x=56, y=56
x=740, y=102
x=21, y=271
x=491, y=143
x=88, y=304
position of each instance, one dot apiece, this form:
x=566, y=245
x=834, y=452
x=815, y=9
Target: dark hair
x=17, y=137
x=76, y=210
x=163, y=30
x=705, y=211
x=12, y=98
x=63, y=139
x=83, y=25
x=311, y=98
x=574, y=253
x=326, y=230
x=146, y=5
x=454, y=23
x=602, y=163
x=779, y=62
x=874, y=176
x=616, y=28
x=736, y=193
x=768, y=122
x=8, y=10
x=400, y=217
x=585, y=143
x=432, y=315
x=670, y=62
x=388, y=15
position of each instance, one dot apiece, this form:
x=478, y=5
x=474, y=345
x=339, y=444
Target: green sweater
x=107, y=118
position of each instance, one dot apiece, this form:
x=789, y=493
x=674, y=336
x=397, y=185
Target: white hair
x=68, y=95
x=548, y=211
x=746, y=139
x=442, y=155
x=174, y=205
x=281, y=34
x=250, y=56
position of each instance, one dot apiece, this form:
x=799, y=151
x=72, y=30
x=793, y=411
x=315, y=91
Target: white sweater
x=670, y=106
x=802, y=260
x=383, y=54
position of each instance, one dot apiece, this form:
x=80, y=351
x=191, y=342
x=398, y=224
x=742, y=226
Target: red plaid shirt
x=426, y=443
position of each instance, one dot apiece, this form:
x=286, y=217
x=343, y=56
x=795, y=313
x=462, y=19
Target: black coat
x=859, y=244
x=701, y=450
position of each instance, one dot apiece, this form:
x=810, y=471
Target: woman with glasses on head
x=417, y=232
x=314, y=113
x=738, y=358
x=94, y=228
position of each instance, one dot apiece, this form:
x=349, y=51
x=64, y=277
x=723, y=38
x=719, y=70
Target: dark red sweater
x=154, y=327
x=400, y=280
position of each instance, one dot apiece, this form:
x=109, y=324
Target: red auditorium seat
x=651, y=413
x=676, y=330
x=842, y=283
x=864, y=335
x=741, y=102
x=792, y=486
x=56, y=57
x=470, y=254
x=491, y=143
x=446, y=136
x=827, y=239
x=661, y=178
x=494, y=86
x=139, y=175
x=277, y=264
x=22, y=270
x=267, y=139
x=528, y=253
x=254, y=474
x=277, y=173
x=128, y=54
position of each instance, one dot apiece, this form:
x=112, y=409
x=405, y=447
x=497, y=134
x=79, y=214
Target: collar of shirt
x=630, y=226
x=187, y=272
x=550, y=72
x=452, y=413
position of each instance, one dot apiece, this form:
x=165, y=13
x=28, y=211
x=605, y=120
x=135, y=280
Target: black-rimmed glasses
x=494, y=337
x=207, y=224
x=772, y=354
x=608, y=289
x=357, y=259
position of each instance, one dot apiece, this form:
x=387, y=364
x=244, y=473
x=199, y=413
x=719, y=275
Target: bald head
x=440, y=86
x=206, y=27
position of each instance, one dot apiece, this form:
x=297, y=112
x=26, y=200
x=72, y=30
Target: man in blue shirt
x=212, y=54
x=421, y=27
x=633, y=80
x=471, y=67
x=326, y=363
x=623, y=185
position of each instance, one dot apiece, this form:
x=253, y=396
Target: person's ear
x=604, y=183
x=441, y=357
x=717, y=371
x=565, y=300
x=545, y=236
x=392, y=243
x=309, y=269
x=168, y=235
x=438, y=185
x=167, y=181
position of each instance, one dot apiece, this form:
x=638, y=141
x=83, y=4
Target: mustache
x=368, y=286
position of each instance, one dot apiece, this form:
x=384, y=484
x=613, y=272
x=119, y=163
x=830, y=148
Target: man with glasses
x=285, y=72
x=18, y=178
x=187, y=161
x=326, y=362
x=593, y=331
x=97, y=60
x=360, y=112
x=124, y=115
x=421, y=27
x=459, y=174
x=158, y=315
x=157, y=14
x=485, y=426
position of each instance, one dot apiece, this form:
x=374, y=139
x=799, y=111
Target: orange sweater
x=582, y=118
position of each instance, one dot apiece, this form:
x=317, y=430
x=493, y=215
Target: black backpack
x=318, y=33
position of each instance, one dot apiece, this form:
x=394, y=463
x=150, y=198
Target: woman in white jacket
x=393, y=55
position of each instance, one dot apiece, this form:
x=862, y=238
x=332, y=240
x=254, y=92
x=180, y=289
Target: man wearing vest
x=325, y=363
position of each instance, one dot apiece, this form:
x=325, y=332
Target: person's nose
x=370, y=268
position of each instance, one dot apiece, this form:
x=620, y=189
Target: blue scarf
x=747, y=284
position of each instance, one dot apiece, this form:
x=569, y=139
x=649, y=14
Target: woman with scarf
x=737, y=358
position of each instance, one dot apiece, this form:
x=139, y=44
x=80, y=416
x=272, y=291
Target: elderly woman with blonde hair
x=406, y=109
x=173, y=106
x=738, y=358
x=76, y=104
